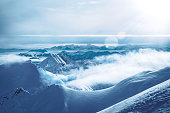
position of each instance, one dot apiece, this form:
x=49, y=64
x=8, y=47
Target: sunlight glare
x=154, y=14
x=155, y=8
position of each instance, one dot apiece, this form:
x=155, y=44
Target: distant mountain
x=36, y=53
x=17, y=75
x=54, y=63
x=104, y=47
x=121, y=47
x=78, y=47
x=3, y=50
x=85, y=55
x=53, y=60
x=65, y=61
x=38, y=50
x=60, y=99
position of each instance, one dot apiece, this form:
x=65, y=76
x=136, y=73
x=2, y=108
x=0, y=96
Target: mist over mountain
x=84, y=56
x=65, y=100
x=84, y=81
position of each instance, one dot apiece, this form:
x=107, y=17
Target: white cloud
x=88, y=3
x=12, y=58
x=49, y=78
x=118, y=67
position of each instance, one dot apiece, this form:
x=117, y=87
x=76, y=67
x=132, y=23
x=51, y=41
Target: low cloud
x=11, y=58
x=118, y=67
x=49, y=78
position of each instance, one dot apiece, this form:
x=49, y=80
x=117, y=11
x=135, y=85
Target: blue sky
x=83, y=17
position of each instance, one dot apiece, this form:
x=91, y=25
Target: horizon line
x=91, y=35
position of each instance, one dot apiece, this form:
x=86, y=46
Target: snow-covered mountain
x=153, y=100
x=78, y=47
x=52, y=60
x=66, y=61
x=120, y=47
x=55, y=85
x=17, y=75
x=85, y=55
x=60, y=99
x=35, y=53
x=55, y=63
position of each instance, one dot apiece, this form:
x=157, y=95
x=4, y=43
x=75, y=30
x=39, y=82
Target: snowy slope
x=60, y=99
x=17, y=75
x=123, y=90
x=49, y=100
x=153, y=100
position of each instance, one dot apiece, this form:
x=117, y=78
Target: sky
x=23, y=21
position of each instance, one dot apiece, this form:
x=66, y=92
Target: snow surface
x=17, y=75
x=60, y=99
x=153, y=100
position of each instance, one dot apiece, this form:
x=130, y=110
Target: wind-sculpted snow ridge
x=60, y=99
x=153, y=100
x=17, y=75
